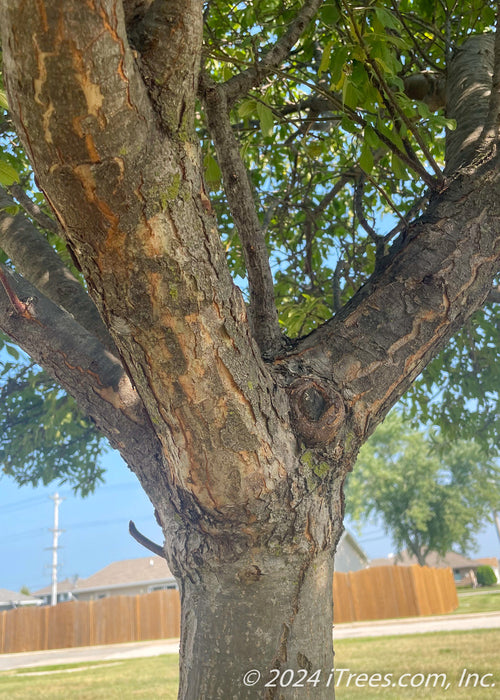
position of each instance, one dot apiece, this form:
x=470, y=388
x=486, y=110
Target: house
x=126, y=577
x=12, y=599
x=147, y=574
x=349, y=556
x=464, y=569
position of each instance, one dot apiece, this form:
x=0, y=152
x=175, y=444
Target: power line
x=20, y=505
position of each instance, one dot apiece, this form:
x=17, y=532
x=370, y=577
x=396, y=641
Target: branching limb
x=492, y=124
x=145, y=541
x=168, y=38
x=262, y=312
x=77, y=360
x=32, y=209
x=358, y=209
x=392, y=104
x=36, y=260
x=239, y=85
x=494, y=296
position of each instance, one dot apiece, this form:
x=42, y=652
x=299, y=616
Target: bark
x=277, y=624
x=37, y=261
x=244, y=460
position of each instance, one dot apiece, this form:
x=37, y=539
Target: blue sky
x=95, y=529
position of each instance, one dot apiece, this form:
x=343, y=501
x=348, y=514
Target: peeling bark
x=244, y=459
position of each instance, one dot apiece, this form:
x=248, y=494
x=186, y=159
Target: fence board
x=369, y=594
x=383, y=592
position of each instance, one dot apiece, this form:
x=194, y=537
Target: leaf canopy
x=340, y=159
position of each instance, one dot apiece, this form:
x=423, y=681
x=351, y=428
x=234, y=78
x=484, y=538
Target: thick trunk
x=259, y=628
x=244, y=460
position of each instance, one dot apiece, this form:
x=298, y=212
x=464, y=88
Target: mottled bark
x=37, y=261
x=243, y=459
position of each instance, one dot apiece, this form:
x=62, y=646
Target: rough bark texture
x=243, y=459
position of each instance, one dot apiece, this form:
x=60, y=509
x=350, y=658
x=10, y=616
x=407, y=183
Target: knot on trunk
x=317, y=411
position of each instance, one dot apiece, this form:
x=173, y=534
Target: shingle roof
x=7, y=597
x=151, y=569
x=490, y=561
x=454, y=560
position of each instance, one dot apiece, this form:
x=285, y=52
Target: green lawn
x=154, y=678
x=150, y=678
x=478, y=602
x=436, y=653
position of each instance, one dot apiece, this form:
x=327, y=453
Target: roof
x=128, y=572
x=13, y=597
x=489, y=561
x=348, y=540
x=454, y=560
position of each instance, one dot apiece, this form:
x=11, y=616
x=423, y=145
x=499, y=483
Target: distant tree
x=25, y=590
x=431, y=495
x=486, y=576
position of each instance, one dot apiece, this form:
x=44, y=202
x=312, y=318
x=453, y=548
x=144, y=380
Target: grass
x=440, y=652
x=154, y=678
x=151, y=678
x=478, y=603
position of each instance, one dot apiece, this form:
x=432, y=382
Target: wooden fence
x=369, y=594
x=383, y=592
x=86, y=623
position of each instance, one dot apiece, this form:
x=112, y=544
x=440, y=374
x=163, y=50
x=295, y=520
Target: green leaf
x=247, y=108
x=387, y=19
x=12, y=352
x=398, y=167
x=212, y=170
x=366, y=158
x=338, y=58
x=329, y=13
x=371, y=137
x=3, y=100
x=8, y=174
x=325, y=58
x=266, y=119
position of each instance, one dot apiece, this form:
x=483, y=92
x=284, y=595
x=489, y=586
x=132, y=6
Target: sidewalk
x=131, y=650
x=417, y=625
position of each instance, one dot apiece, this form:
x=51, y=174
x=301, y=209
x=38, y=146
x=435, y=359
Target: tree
x=241, y=422
x=431, y=495
x=486, y=576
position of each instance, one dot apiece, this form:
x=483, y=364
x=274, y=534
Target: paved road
x=117, y=652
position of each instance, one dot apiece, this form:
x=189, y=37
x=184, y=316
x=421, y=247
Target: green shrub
x=485, y=576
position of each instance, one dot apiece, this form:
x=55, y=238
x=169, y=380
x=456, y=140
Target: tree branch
x=79, y=363
x=36, y=260
x=494, y=296
x=32, y=209
x=145, y=541
x=262, y=312
x=492, y=123
x=469, y=88
x=169, y=38
x=273, y=57
x=430, y=284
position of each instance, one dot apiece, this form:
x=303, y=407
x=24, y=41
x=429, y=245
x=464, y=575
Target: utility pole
x=496, y=517
x=55, y=539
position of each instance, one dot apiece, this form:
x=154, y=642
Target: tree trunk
x=258, y=628
x=243, y=453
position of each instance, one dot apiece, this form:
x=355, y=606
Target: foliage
x=45, y=437
x=340, y=159
x=486, y=575
x=431, y=495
